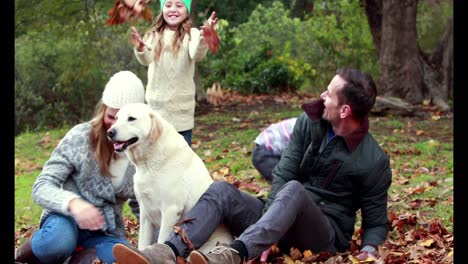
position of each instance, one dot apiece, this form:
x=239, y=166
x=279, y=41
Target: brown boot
x=218, y=255
x=86, y=256
x=153, y=254
x=24, y=254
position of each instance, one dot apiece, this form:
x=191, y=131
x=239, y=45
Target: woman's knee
x=56, y=228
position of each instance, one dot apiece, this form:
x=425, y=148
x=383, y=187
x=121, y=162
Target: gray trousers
x=293, y=219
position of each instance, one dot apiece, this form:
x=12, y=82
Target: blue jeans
x=187, y=134
x=59, y=235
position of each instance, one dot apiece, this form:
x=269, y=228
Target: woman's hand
x=136, y=40
x=86, y=215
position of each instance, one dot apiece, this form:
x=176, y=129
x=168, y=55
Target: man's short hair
x=359, y=91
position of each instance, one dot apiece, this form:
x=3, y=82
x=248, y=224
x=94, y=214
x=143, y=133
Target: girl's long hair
x=102, y=147
x=158, y=27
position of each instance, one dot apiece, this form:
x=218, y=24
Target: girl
x=83, y=185
x=170, y=48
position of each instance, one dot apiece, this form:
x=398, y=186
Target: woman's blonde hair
x=102, y=147
x=158, y=27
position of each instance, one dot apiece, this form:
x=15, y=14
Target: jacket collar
x=314, y=111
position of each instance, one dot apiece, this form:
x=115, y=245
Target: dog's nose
x=111, y=133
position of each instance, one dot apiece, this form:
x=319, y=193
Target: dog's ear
x=156, y=128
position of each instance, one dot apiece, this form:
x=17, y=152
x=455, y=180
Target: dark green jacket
x=342, y=176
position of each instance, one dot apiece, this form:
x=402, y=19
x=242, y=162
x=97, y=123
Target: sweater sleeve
x=197, y=45
x=47, y=189
x=146, y=56
x=374, y=203
x=289, y=164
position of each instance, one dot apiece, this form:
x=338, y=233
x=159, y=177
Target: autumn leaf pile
x=411, y=239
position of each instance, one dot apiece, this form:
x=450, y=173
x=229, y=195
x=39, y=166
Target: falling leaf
x=123, y=10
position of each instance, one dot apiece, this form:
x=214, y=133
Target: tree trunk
x=374, y=18
x=402, y=72
x=406, y=72
x=442, y=56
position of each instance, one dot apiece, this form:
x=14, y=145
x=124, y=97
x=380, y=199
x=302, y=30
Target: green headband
x=186, y=2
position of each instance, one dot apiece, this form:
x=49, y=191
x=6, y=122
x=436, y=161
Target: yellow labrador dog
x=170, y=177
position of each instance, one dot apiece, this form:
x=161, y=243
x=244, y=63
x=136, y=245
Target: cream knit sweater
x=171, y=88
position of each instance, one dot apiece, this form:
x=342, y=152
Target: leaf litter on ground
x=411, y=239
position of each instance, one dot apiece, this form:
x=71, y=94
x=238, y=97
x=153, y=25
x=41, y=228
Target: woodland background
x=64, y=52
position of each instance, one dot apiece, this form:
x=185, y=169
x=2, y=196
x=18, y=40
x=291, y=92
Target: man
x=331, y=168
x=269, y=145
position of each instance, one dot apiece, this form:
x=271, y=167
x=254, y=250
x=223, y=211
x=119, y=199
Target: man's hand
x=86, y=215
x=369, y=254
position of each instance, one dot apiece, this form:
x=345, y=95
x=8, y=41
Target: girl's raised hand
x=212, y=20
x=209, y=33
x=136, y=40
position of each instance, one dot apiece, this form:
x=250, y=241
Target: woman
x=83, y=186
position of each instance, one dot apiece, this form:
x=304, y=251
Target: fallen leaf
x=427, y=243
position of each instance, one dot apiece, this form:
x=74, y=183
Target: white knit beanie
x=123, y=88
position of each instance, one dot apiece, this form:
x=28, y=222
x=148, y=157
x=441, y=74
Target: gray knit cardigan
x=72, y=171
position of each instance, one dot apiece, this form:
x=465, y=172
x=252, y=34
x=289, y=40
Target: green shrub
x=272, y=50
x=59, y=75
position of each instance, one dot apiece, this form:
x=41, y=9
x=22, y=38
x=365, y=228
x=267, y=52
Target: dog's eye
x=131, y=118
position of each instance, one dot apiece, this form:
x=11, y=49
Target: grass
x=420, y=149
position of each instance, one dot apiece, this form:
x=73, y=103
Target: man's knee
x=220, y=187
x=294, y=185
x=292, y=189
